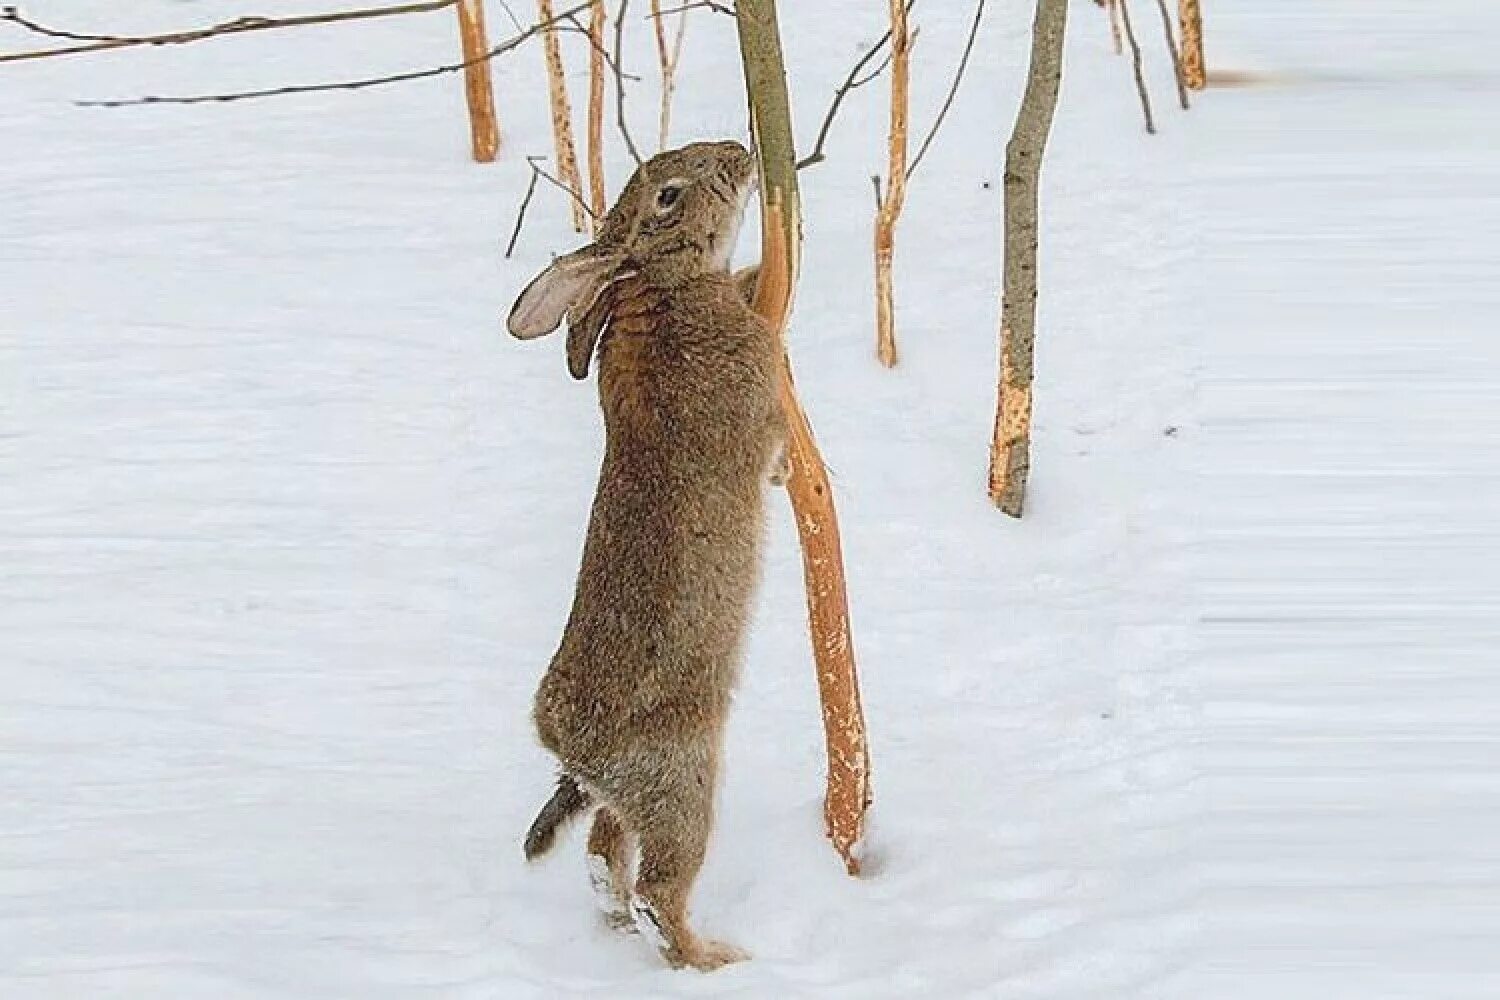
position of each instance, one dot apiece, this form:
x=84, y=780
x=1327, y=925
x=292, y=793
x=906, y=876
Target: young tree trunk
x=848, y=787
x=1191, y=18
x=889, y=209
x=484, y=131
x=1010, y=447
x=667, y=56
x=562, y=116
x=595, y=141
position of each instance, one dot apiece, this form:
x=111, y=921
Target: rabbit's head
x=676, y=219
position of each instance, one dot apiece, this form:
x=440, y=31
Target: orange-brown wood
x=479, y=91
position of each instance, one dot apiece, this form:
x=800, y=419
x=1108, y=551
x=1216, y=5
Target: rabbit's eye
x=667, y=197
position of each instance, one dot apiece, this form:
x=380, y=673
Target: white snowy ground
x=288, y=527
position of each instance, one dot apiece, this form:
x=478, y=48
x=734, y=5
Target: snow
x=288, y=528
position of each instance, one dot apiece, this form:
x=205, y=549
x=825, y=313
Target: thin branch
x=1114, y=24
x=557, y=183
x=1166, y=24
x=573, y=24
x=510, y=13
x=851, y=82
x=635, y=153
x=515, y=233
x=717, y=8
x=240, y=25
x=873, y=73
x=958, y=76
x=1140, y=81
x=359, y=84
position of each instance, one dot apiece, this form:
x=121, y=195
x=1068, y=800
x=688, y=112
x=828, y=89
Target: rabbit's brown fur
x=634, y=702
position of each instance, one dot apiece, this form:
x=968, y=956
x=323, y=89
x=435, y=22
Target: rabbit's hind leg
x=674, y=840
x=609, y=868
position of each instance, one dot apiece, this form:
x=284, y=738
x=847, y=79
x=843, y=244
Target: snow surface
x=288, y=529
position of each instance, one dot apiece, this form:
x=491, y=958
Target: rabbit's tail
x=567, y=802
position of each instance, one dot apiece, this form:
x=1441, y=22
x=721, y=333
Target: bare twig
x=240, y=25
x=558, y=183
x=879, y=69
x=1114, y=25
x=635, y=153
x=717, y=8
x=958, y=77
x=1135, y=52
x=573, y=24
x=1166, y=24
x=359, y=84
x=515, y=233
x=851, y=82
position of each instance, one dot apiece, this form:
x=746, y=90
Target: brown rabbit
x=634, y=702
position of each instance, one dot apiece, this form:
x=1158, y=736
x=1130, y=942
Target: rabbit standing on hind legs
x=634, y=701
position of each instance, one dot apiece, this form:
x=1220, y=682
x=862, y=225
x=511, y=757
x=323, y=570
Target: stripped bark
x=847, y=795
x=889, y=208
x=1010, y=446
x=1190, y=15
x=1114, y=26
x=595, y=141
x=667, y=57
x=479, y=91
x=562, y=114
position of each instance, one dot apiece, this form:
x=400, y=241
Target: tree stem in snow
x=847, y=795
x=479, y=91
x=562, y=113
x=1010, y=447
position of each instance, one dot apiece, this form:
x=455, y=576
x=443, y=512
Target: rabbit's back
x=687, y=383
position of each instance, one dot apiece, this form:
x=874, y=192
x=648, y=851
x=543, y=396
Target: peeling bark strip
x=595, y=140
x=848, y=790
x=562, y=114
x=484, y=131
x=1191, y=18
x=1010, y=446
x=889, y=209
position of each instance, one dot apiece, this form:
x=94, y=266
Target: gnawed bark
x=479, y=91
x=1194, y=73
x=847, y=795
x=1010, y=447
x=562, y=116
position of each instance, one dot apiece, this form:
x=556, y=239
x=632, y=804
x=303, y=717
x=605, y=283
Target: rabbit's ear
x=570, y=284
x=585, y=324
x=587, y=320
